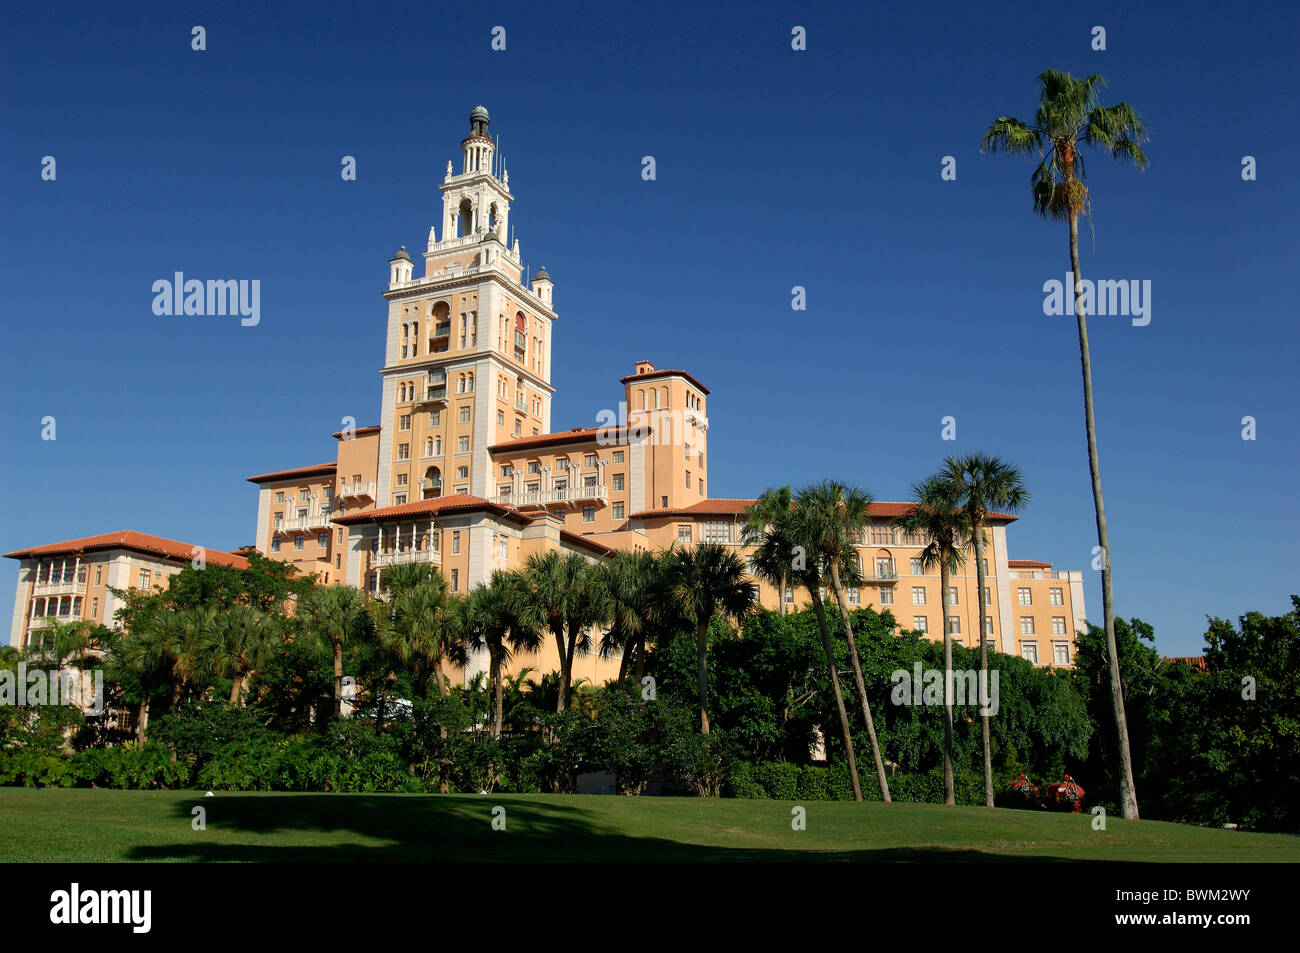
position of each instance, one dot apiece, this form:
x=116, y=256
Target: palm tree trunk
x=835, y=689
x=857, y=679
x=560, y=647
x=142, y=722
x=1128, y=790
x=235, y=687
x=622, y=663
x=949, y=788
x=702, y=671
x=984, y=660
x=338, y=679
x=498, y=698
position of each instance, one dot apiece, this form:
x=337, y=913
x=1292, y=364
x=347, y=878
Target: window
x=399, y=499
x=404, y=422
x=279, y=497
x=920, y=624
x=917, y=568
x=461, y=490
x=954, y=625
x=99, y=571
x=560, y=512
x=684, y=533
x=918, y=595
x=716, y=531
x=402, y=478
x=322, y=540
x=455, y=542
x=887, y=596
x=464, y=414
x=275, y=545
x=1024, y=596
x=1057, y=597
x=618, y=456
x=663, y=502
x=988, y=596
x=1061, y=653
x=403, y=451
x=145, y=576
x=455, y=580
x=562, y=464
x=297, y=543
x=507, y=470
x=94, y=608
x=338, y=561
x=504, y=489
x=435, y=418
x=1029, y=651
x=303, y=496
x=501, y=418
x=1058, y=625
x=503, y=549
x=618, y=482
x=519, y=427
x=852, y=594
x=618, y=511
x=589, y=514
x=688, y=479
x=701, y=482
x=952, y=595
x=462, y=445
x=884, y=567
x=1026, y=625
x=988, y=625
x=588, y=460
x=534, y=466
x=534, y=431
x=462, y=473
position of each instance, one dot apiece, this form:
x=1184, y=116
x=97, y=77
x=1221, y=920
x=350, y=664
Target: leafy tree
x=1070, y=115
x=336, y=616
x=242, y=641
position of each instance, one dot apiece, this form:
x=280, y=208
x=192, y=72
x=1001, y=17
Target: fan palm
x=336, y=616
x=492, y=624
x=982, y=484
x=561, y=593
x=241, y=642
x=709, y=580
x=828, y=520
x=938, y=515
x=1069, y=116
x=774, y=560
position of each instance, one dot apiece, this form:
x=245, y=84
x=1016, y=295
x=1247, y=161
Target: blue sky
x=775, y=168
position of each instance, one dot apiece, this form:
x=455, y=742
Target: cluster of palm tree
x=811, y=538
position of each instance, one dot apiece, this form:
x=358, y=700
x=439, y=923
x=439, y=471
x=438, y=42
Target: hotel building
x=464, y=471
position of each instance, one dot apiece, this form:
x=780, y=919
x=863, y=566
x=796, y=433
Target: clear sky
x=775, y=168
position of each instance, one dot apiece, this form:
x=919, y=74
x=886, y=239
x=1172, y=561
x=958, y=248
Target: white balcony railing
x=357, y=490
x=569, y=494
x=67, y=587
x=318, y=520
x=400, y=556
x=1038, y=574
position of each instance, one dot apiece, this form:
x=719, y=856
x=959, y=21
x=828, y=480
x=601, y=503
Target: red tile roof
x=728, y=507
x=577, y=435
x=358, y=432
x=1195, y=661
x=128, y=539
x=319, y=469
x=1027, y=564
x=651, y=375
x=439, y=505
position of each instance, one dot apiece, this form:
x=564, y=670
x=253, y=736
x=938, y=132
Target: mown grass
x=102, y=825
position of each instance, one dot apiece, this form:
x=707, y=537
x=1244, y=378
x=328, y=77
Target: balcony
x=66, y=587
x=441, y=331
x=521, y=340
x=569, y=494
x=398, y=557
x=318, y=520
x=434, y=395
x=357, y=491
x=521, y=404
x=1038, y=574
x=880, y=574
x=42, y=621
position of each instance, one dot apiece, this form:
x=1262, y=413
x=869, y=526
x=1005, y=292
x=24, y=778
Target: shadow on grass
x=459, y=830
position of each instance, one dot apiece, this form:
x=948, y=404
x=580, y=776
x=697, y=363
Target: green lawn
x=95, y=825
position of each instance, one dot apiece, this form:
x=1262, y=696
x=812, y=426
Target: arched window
x=431, y=485
x=465, y=218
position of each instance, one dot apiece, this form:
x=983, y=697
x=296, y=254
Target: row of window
x=65, y=570
x=322, y=540
x=326, y=492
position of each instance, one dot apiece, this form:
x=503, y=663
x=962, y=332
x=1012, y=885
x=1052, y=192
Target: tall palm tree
x=774, y=560
x=336, y=616
x=561, y=593
x=709, y=580
x=418, y=626
x=241, y=642
x=767, y=511
x=828, y=520
x=61, y=644
x=491, y=623
x=160, y=651
x=1069, y=116
x=938, y=515
x=981, y=485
